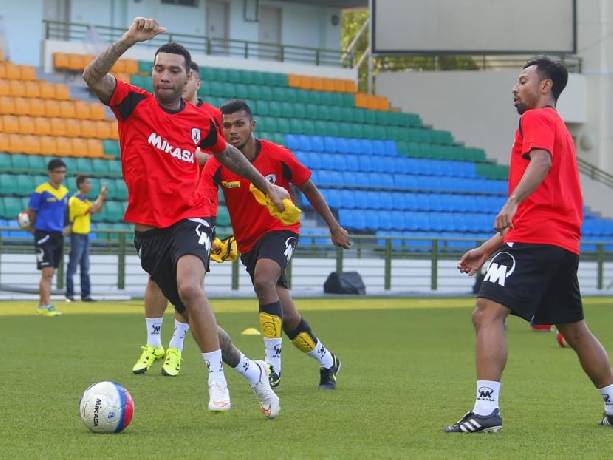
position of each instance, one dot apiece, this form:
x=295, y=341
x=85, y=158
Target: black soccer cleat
x=475, y=423
x=327, y=380
x=606, y=420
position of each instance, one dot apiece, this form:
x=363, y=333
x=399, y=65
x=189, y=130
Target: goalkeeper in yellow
x=266, y=238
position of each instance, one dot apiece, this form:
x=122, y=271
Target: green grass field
x=407, y=371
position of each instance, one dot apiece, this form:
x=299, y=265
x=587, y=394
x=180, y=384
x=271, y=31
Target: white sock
x=179, y=335
x=322, y=354
x=487, y=397
x=248, y=369
x=213, y=362
x=273, y=353
x=154, y=331
x=607, y=396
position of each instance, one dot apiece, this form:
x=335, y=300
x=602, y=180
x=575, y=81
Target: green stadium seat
x=223, y=217
x=283, y=126
x=5, y=161
x=12, y=207
x=145, y=67
x=275, y=109
x=369, y=117
x=111, y=147
x=261, y=108
x=288, y=110
x=100, y=167
x=19, y=162
x=84, y=166
x=115, y=210
x=241, y=92
x=233, y=76
x=37, y=163
x=122, y=190
x=7, y=184
x=25, y=184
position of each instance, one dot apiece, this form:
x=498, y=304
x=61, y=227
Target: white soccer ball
x=23, y=220
x=106, y=407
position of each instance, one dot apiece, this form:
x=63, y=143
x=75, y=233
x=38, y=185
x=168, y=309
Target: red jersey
x=213, y=112
x=157, y=157
x=553, y=213
x=250, y=220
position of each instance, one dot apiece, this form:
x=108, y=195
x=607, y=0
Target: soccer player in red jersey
x=154, y=300
x=267, y=244
x=533, y=271
x=159, y=135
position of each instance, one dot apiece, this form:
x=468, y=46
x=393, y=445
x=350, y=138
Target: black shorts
x=160, y=249
x=536, y=282
x=49, y=248
x=278, y=246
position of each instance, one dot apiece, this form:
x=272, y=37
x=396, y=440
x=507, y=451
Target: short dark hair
x=81, y=179
x=55, y=163
x=176, y=48
x=547, y=68
x=236, y=105
x=195, y=68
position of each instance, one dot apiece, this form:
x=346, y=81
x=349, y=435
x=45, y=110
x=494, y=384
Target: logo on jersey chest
x=196, y=135
x=163, y=145
x=272, y=178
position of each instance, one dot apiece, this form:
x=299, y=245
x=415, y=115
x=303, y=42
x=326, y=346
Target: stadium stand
x=383, y=172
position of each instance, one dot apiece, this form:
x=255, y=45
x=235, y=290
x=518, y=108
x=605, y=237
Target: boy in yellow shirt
x=80, y=210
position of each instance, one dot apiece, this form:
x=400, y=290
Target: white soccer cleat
x=269, y=401
x=219, y=397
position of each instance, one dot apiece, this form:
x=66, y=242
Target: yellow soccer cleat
x=172, y=362
x=49, y=310
x=223, y=250
x=147, y=358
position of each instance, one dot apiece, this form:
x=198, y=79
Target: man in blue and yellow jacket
x=80, y=210
x=47, y=212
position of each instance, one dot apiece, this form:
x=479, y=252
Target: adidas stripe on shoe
x=475, y=423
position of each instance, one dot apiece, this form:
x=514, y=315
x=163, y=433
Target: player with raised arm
x=533, y=271
x=159, y=135
x=267, y=243
x=154, y=301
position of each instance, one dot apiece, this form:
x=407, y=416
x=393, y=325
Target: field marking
x=21, y=308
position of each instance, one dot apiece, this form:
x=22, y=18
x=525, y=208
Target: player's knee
x=485, y=313
x=263, y=284
x=190, y=292
x=291, y=319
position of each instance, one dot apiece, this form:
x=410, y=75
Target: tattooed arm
x=229, y=353
x=235, y=161
x=96, y=72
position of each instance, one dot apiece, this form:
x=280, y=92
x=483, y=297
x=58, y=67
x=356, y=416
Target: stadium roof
x=334, y=3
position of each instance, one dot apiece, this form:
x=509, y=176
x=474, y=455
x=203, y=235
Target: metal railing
x=595, y=173
x=74, y=31
x=388, y=250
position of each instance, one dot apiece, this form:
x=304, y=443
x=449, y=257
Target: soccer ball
x=106, y=407
x=23, y=219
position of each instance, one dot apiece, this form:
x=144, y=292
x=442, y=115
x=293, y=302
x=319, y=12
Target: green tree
x=353, y=20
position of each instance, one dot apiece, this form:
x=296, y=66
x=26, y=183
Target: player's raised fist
x=143, y=29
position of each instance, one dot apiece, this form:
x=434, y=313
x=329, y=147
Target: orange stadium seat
x=103, y=130
x=26, y=124
x=293, y=80
x=22, y=106
x=2, y=70
x=4, y=142
x=15, y=144
x=73, y=128
x=79, y=147
x=122, y=76
x=31, y=144
x=52, y=108
x=4, y=88
x=62, y=92
x=67, y=109
x=48, y=145
x=17, y=88
x=94, y=148
x=60, y=61
x=82, y=110
x=88, y=128
x=42, y=126
x=97, y=111
x=1, y=124
x=12, y=71
x=131, y=66
x=47, y=90
x=76, y=62
x=114, y=132
x=64, y=146
x=27, y=72
x=32, y=89
x=7, y=105
x=1, y=55
x=37, y=108
x=58, y=127
x=10, y=124
x=319, y=84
